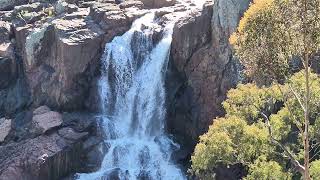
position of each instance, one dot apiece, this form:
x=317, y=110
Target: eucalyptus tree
x=271, y=37
x=272, y=34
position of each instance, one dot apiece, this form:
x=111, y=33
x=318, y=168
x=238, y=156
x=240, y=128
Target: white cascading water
x=133, y=105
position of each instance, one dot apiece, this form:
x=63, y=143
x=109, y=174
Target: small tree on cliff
x=271, y=34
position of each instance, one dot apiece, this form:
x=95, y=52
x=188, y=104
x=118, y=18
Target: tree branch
x=297, y=97
x=298, y=124
x=294, y=162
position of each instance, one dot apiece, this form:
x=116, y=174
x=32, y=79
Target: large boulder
x=45, y=157
x=48, y=145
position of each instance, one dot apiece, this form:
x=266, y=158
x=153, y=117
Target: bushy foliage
x=266, y=170
x=259, y=43
x=315, y=169
x=242, y=135
x=272, y=33
x=229, y=140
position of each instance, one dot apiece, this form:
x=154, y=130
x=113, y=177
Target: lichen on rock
x=5, y=127
x=33, y=44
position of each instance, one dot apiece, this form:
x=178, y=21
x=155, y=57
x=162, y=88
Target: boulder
x=129, y=4
x=63, y=7
x=34, y=159
x=41, y=110
x=5, y=127
x=47, y=120
x=158, y=3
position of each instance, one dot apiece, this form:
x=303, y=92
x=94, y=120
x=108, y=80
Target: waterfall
x=133, y=105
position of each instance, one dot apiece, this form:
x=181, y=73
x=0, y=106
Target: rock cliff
x=202, y=68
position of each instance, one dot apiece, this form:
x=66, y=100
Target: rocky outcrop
x=57, y=45
x=35, y=158
x=50, y=146
x=202, y=68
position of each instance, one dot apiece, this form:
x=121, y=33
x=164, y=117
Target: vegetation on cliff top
x=271, y=125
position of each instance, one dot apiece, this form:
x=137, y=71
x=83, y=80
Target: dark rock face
x=190, y=34
x=7, y=72
x=202, y=69
x=14, y=93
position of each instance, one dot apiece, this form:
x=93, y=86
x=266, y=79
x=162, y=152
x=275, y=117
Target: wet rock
x=5, y=127
x=118, y=153
x=144, y=175
x=144, y=157
x=115, y=174
x=95, y=150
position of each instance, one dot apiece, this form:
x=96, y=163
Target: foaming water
x=132, y=95
x=133, y=105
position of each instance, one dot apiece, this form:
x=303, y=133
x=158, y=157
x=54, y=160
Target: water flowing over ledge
x=133, y=106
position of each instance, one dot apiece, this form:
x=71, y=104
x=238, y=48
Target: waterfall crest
x=133, y=105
